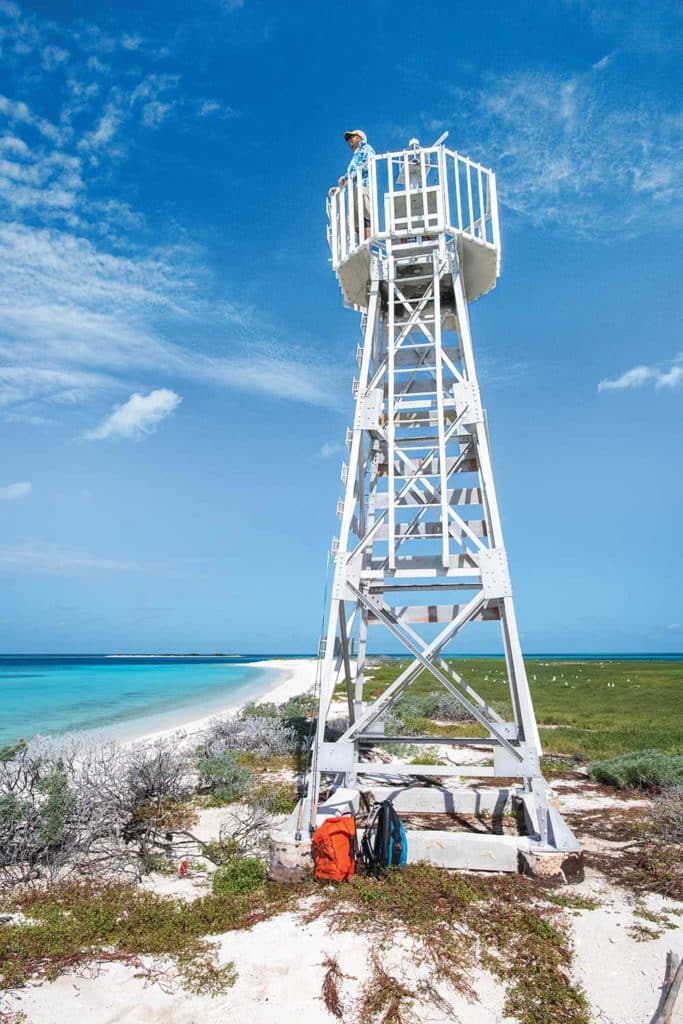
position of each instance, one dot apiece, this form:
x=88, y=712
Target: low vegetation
x=640, y=847
x=643, y=769
x=587, y=710
x=455, y=923
x=72, y=925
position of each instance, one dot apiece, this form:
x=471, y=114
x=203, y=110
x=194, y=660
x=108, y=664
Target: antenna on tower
x=420, y=558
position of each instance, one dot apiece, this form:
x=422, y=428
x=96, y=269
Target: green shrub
x=160, y=864
x=57, y=808
x=202, y=975
x=222, y=851
x=243, y=874
x=265, y=710
x=275, y=797
x=645, y=769
x=226, y=777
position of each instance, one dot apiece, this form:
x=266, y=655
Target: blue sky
x=175, y=361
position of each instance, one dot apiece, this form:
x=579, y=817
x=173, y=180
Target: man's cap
x=356, y=131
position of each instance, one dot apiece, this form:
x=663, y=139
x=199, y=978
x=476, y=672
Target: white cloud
x=211, y=108
x=330, y=448
x=107, y=127
x=637, y=376
x=155, y=112
x=78, y=322
x=32, y=556
x=86, y=315
x=45, y=182
x=95, y=64
x=13, y=491
x=53, y=56
x=572, y=151
x=651, y=27
x=152, y=95
x=139, y=416
x=18, y=112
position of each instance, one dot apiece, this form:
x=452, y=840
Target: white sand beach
x=290, y=678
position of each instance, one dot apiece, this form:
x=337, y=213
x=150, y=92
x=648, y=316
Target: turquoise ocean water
x=129, y=697
x=125, y=697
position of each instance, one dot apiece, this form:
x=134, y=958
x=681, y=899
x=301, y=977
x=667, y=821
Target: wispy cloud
x=153, y=96
x=55, y=559
x=573, y=151
x=18, y=112
x=652, y=27
x=660, y=376
x=212, y=108
x=330, y=448
x=11, y=492
x=137, y=417
x=104, y=131
x=79, y=323
x=87, y=311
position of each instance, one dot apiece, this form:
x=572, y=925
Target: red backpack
x=335, y=849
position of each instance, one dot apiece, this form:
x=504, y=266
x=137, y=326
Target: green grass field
x=589, y=709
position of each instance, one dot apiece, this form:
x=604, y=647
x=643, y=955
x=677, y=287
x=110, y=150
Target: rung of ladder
x=430, y=467
x=426, y=531
x=425, y=565
x=400, y=768
x=368, y=740
x=456, y=496
x=424, y=614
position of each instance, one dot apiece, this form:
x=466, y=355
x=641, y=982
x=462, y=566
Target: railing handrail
x=469, y=209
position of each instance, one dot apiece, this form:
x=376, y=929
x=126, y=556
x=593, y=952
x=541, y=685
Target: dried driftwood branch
x=673, y=979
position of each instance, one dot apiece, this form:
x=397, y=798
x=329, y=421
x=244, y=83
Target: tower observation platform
x=420, y=555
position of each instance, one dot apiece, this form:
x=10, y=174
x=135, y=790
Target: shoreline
x=293, y=676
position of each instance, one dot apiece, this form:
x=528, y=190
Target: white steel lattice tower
x=420, y=553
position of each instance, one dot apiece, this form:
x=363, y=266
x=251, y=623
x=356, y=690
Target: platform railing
x=413, y=192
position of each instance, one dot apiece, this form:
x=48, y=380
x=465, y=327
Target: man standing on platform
x=357, y=171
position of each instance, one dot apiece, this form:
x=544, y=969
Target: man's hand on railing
x=335, y=188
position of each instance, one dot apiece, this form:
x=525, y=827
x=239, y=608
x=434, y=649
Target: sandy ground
x=280, y=961
x=280, y=976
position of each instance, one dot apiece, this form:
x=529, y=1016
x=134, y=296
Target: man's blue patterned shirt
x=359, y=161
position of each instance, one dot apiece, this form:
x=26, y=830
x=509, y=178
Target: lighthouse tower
x=420, y=554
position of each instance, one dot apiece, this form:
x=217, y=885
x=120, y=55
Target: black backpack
x=384, y=839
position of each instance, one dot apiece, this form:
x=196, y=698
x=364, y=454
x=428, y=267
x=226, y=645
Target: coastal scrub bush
x=224, y=776
x=275, y=797
x=76, y=806
x=667, y=812
x=643, y=769
x=265, y=709
x=265, y=737
x=240, y=875
x=57, y=807
x=40, y=827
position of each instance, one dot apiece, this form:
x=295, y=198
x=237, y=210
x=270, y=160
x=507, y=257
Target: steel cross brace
x=424, y=657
